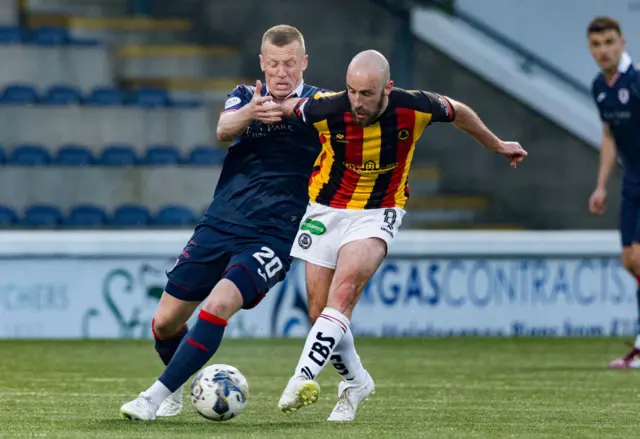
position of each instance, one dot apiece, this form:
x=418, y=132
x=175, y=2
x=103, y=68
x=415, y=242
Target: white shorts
x=325, y=229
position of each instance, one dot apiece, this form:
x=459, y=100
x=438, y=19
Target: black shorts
x=211, y=253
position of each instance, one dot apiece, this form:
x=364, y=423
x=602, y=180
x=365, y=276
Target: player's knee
x=633, y=265
x=224, y=301
x=166, y=325
x=631, y=260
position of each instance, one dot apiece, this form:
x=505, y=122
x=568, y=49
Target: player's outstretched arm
x=233, y=123
x=288, y=107
x=607, y=162
x=468, y=121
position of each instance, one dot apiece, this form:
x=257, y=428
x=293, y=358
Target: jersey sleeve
x=314, y=109
x=238, y=98
x=438, y=106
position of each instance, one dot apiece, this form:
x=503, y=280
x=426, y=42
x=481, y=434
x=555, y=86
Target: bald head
x=371, y=64
x=368, y=86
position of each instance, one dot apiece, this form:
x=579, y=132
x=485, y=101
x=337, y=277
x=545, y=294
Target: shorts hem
x=363, y=237
x=183, y=293
x=315, y=261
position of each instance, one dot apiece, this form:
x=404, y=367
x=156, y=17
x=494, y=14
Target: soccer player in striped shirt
x=357, y=195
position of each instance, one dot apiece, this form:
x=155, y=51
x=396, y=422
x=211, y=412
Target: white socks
x=323, y=338
x=637, y=343
x=158, y=392
x=346, y=360
x=330, y=339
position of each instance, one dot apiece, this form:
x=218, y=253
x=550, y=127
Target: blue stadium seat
x=29, y=155
x=118, y=155
x=7, y=217
x=149, y=98
x=174, y=216
x=42, y=215
x=10, y=35
x=49, y=36
x=106, y=96
x=73, y=41
x=74, y=155
x=207, y=156
x=19, y=94
x=130, y=215
x=162, y=155
x=86, y=215
x=62, y=95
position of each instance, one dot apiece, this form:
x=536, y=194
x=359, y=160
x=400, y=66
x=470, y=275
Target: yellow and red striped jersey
x=368, y=167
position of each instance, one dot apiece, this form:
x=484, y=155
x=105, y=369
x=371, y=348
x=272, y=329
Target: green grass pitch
x=425, y=388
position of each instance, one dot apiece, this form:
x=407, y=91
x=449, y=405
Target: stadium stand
x=117, y=113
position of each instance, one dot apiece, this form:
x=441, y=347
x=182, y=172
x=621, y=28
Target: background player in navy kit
x=616, y=91
x=241, y=247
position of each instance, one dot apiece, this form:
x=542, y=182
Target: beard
x=369, y=116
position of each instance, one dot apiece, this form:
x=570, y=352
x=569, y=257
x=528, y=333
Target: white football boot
x=171, y=406
x=140, y=409
x=349, y=396
x=299, y=392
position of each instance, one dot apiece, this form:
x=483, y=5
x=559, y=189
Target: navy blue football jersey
x=618, y=103
x=263, y=187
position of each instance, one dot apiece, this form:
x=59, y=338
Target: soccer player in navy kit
x=616, y=91
x=241, y=247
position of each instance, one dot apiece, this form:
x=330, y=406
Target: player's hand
x=597, y=201
x=263, y=108
x=513, y=151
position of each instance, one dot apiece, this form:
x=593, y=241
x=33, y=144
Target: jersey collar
x=294, y=94
x=625, y=63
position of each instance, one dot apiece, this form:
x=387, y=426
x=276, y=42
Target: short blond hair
x=282, y=35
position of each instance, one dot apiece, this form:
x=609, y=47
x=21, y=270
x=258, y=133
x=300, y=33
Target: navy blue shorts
x=630, y=219
x=211, y=253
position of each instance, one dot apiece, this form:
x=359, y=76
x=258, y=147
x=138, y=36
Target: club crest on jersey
x=232, y=102
x=623, y=95
x=403, y=135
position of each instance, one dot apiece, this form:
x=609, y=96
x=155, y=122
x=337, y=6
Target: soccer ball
x=219, y=392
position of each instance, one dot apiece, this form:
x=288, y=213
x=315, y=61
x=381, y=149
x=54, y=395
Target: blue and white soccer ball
x=219, y=392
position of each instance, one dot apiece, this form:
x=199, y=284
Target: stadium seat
x=86, y=215
x=162, y=155
x=7, y=217
x=149, y=98
x=118, y=155
x=206, y=156
x=105, y=96
x=10, y=35
x=130, y=215
x=42, y=215
x=19, y=94
x=174, y=216
x=48, y=36
x=29, y=155
x=62, y=95
x=74, y=155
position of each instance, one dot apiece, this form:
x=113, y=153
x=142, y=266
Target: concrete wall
x=85, y=67
x=107, y=187
x=98, y=126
